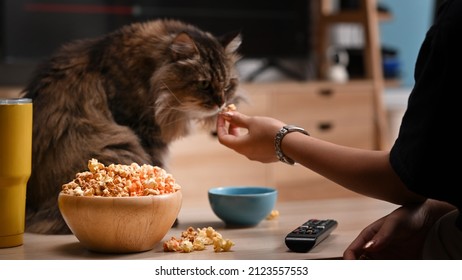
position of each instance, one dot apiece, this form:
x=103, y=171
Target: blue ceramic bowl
x=242, y=205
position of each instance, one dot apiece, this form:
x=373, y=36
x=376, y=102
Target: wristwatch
x=278, y=140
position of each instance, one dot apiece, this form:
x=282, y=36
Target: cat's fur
x=122, y=98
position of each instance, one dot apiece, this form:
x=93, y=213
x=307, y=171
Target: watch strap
x=278, y=142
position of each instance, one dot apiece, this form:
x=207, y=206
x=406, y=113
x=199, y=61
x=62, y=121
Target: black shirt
x=427, y=153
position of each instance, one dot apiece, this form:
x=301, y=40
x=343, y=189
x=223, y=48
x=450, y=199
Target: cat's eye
x=203, y=85
x=231, y=86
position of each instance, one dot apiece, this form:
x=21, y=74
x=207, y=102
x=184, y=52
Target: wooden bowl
x=120, y=224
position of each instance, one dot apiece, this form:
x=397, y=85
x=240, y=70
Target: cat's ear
x=183, y=47
x=231, y=41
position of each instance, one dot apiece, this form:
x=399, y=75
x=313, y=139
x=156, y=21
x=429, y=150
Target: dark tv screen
x=33, y=30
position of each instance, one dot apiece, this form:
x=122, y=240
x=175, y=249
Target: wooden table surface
x=264, y=241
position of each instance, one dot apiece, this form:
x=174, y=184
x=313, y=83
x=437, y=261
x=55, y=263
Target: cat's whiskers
x=171, y=92
x=184, y=116
x=174, y=121
x=167, y=110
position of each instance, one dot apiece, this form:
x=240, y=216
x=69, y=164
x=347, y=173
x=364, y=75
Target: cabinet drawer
x=343, y=132
x=313, y=104
x=321, y=102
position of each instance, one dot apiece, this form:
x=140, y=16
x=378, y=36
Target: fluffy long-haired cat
x=122, y=98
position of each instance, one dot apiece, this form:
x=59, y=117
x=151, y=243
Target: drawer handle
x=326, y=92
x=325, y=126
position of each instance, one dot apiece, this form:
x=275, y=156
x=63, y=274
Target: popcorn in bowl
x=118, y=180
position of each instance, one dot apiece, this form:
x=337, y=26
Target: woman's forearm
x=363, y=171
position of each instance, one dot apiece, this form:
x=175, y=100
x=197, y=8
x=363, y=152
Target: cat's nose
x=219, y=101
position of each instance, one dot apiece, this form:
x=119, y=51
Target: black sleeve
x=427, y=151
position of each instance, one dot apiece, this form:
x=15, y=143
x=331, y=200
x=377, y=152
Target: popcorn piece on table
x=197, y=240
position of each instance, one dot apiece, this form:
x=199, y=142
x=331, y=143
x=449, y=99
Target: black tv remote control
x=309, y=234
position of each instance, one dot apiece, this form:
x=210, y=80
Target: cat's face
x=201, y=78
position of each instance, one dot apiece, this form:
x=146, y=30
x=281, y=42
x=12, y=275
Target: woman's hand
x=252, y=137
x=399, y=235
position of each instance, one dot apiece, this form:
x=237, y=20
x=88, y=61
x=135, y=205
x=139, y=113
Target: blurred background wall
x=406, y=31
